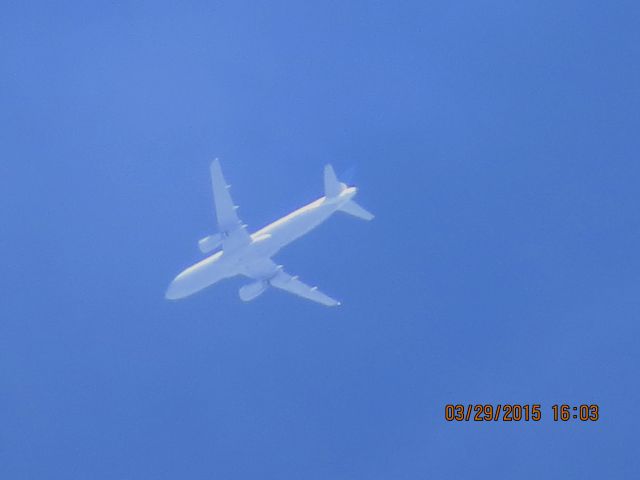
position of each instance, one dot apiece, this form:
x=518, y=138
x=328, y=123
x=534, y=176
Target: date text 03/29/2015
x=514, y=412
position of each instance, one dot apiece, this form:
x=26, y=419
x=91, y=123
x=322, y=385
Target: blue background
x=497, y=143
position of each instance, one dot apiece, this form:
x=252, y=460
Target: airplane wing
x=234, y=232
x=268, y=271
x=291, y=284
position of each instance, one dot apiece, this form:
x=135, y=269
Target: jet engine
x=252, y=290
x=210, y=243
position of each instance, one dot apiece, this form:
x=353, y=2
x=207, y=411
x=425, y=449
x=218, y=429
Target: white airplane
x=250, y=254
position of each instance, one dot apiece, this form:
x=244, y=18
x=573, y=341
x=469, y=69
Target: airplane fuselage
x=265, y=243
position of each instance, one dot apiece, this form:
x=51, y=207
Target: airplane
x=250, y=255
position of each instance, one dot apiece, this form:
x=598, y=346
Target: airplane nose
x=173, y=292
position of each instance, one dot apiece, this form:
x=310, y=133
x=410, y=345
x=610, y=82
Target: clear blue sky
x=497, y=143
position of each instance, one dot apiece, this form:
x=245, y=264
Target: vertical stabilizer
x=332, y=186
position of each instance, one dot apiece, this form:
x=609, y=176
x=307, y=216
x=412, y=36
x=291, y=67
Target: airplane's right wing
x=234, y=232
x=268, y=272
x=291, y=284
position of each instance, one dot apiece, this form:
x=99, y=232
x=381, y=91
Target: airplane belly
x=196, y=278
x=300, y=225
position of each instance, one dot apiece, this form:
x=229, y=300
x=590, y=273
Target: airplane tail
x=333, y=187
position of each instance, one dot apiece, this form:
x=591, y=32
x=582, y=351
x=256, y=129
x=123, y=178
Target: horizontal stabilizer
x=352, y=208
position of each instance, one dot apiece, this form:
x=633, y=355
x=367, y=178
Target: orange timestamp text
x=514, y=412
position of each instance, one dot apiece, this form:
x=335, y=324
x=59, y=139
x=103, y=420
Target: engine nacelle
x=210, y=243
x=252, y=290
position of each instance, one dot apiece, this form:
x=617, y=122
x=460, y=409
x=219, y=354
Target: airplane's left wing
x=291, y=284
x=268, y=272
x=234, y=232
